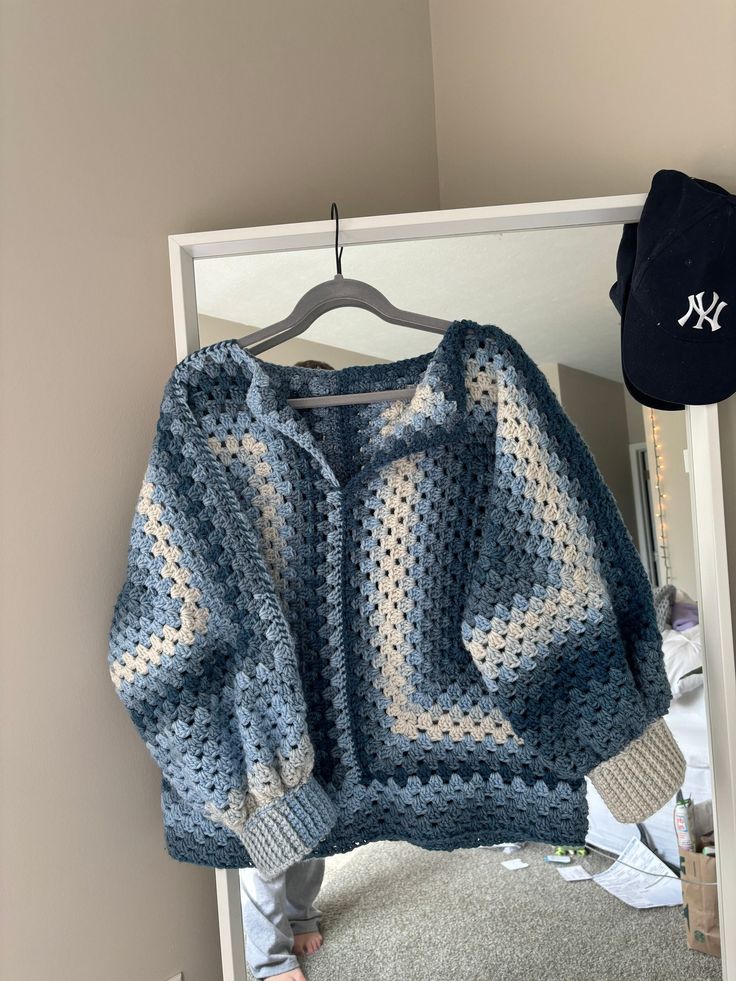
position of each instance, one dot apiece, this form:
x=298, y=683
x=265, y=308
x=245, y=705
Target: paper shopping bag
x=700, y=902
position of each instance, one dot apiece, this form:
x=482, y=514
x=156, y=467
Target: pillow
x=682, y=654
x=663, y=597
x=684, y=615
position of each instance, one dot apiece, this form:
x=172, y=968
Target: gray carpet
x=394, y=911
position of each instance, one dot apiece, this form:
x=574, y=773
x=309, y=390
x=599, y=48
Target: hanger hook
x=338, y=254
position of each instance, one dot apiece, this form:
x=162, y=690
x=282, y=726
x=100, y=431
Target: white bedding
x=687, y=721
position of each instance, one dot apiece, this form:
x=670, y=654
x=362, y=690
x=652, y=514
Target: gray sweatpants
x=276, y=909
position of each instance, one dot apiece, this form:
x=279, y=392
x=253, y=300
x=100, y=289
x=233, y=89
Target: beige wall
x=131, y=121
x=551, y=371
x=537, y=101
x=596, y=406
x=634, y=418
x=127, y=122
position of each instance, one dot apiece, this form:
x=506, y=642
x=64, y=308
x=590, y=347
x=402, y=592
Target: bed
x=687, y=721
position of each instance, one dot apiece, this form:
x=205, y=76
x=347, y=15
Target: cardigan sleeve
x=561, y=621
x=207, y=673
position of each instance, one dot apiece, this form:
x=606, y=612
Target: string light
x=660, y=513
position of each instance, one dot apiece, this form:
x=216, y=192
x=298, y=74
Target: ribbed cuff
x=286, y=831
x=646, y=774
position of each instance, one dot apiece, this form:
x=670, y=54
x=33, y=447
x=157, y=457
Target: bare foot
x=295, y=975
x=307, y=943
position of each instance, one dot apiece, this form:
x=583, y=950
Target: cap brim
x=649, y=400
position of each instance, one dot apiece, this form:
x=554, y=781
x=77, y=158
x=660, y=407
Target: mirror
x=387, y=906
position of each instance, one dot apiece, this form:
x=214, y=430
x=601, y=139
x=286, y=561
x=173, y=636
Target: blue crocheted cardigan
x=419, y=620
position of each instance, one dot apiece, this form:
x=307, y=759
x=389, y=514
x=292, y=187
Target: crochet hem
x=563, y=822
x=574, y=833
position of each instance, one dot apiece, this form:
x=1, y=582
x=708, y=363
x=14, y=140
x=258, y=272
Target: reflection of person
x=311, y=363
x=280, y=919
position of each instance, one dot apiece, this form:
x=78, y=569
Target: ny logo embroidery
x=697, y=307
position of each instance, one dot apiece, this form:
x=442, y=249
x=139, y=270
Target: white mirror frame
x=706, y=487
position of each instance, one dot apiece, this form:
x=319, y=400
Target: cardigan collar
x=433, y=415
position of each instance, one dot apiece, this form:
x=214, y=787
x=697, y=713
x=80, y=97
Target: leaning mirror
x=462, y=906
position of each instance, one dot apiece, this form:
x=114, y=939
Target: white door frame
x=705, y=482
x=648, y=558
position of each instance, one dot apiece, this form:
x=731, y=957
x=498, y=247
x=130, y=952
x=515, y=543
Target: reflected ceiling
x=548, y=288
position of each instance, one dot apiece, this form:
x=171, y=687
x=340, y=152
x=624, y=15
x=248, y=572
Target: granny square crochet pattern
x=418, y=620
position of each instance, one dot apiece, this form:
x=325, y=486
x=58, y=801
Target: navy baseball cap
x=676, y=293
x=619, y=294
